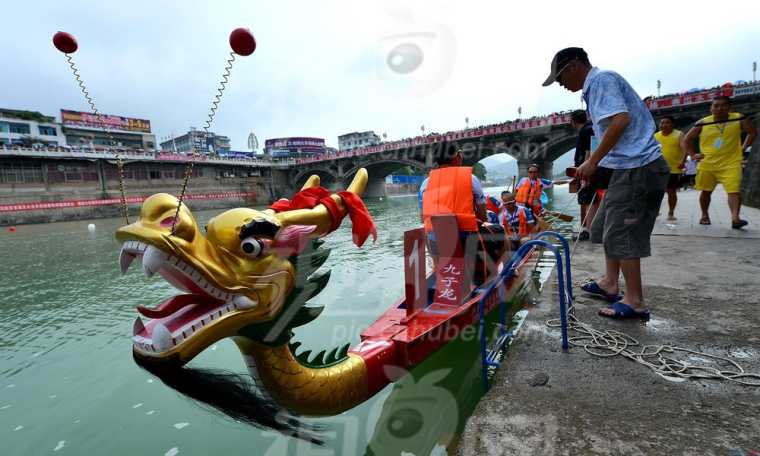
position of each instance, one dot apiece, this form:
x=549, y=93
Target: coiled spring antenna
x=242, y=43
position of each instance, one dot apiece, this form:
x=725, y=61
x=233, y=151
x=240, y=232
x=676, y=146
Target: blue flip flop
x=624, y=311
x=593, y=288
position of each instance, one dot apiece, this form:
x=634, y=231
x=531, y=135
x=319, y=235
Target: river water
x=68, y=384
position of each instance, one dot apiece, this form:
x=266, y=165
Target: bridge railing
x=476, y=132
x=667, y=101
x=703, y=96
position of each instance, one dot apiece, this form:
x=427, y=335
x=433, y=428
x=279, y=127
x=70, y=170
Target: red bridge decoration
x=667, y=101
x=44, y=205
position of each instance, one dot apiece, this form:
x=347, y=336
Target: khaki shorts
x=629, y=209
x=730, y=177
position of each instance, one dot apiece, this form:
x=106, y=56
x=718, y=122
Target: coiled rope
x=659, y=358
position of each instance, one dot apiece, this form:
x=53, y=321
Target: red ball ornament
x=65, y=42
x=242, y=41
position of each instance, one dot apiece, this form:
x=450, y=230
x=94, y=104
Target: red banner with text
x=43, y=205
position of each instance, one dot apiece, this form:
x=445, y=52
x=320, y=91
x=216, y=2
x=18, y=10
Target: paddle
x=543, y=225
x=560, y=215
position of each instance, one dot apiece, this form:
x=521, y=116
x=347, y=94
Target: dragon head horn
x=311, y=182
x=319, y=215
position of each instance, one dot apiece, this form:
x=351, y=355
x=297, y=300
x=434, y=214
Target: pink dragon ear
x=292, y=239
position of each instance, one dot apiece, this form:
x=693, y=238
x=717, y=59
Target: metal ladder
x=489, y=355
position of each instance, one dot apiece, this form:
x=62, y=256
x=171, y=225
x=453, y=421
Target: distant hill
x=502, y=167
x=563, y=162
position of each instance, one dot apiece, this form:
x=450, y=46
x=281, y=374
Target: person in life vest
x=528, y=190
x=720, y=156
x=518, y=222
x=452, y=189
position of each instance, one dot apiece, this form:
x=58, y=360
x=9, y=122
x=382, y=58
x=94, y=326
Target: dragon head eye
x=251, y=247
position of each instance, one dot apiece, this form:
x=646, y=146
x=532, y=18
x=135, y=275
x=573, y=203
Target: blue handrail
x=566, y=249
x=506, y=273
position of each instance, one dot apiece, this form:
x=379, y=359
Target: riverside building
x=29, y=128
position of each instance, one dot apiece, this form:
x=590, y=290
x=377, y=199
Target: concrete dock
x=703, y=288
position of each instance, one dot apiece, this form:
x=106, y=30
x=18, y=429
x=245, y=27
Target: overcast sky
x=325, y=68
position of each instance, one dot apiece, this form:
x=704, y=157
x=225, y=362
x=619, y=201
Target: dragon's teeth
x=146, y=269
x=152, y=260
x=125, y=259
x=138, y=326
x=162, y=338
x=243, y=302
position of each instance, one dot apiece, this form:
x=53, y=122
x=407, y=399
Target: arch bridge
x=539, y=141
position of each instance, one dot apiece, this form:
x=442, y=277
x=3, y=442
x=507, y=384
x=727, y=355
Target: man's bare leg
x=672, y=201
x=735, y=204
x=610, y=283
x=634, y=294
x=704, y=203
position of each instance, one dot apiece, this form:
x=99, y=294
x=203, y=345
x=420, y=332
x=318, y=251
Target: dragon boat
x=250, y=276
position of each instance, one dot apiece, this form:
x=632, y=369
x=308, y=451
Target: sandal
x=738, y=225
x=624, y=311
x=593, y=288
x=705, y=221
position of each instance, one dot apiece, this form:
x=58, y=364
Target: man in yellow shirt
x=720, y=155
x=670, y=143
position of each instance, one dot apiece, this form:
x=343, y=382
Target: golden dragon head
x=234, y=280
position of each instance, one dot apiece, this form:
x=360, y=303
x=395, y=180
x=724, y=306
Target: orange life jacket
x=449, y=191
x=529, y=193
x=523, y=230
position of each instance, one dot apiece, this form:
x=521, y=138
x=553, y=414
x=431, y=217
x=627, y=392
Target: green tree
x=404, y=171
x=479, y=171
x=409, y=171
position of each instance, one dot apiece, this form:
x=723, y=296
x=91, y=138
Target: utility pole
x=659, y=84
x=754, y=71
x=467, y=123
x=519, y=112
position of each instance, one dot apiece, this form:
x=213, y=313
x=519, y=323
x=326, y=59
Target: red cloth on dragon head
x=361, y=220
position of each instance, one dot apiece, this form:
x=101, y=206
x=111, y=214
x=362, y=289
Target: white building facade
x=29, y=128
x=197, y=141
x=357, y=139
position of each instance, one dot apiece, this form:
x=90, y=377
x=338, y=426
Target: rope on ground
x=658, y=358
